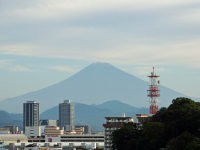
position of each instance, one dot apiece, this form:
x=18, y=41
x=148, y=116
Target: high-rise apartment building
x=66, y=115
x=30, y=114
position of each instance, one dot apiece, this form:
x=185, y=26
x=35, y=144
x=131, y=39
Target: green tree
x=177, y=127
x=126, y=138
x=185, y=141
x=182, y=115
x=152, y=135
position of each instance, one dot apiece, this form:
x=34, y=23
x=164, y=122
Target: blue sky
x=44, y=42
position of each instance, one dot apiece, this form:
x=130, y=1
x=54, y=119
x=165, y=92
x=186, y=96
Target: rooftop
x=12, y=137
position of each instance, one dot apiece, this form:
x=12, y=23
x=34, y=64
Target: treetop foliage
x=176, y=127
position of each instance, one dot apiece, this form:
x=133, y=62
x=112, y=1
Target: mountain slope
x=97, y=83
x=94, y=115
x=117, y=106
x=7, y=119
x=84, y=115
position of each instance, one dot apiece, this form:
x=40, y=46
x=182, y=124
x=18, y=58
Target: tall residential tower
x=66, y=115
x=30, y=114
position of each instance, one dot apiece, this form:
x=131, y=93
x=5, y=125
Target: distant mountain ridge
x=95, y=84
x=117, y=107
x=7, y=119
x=93, y=115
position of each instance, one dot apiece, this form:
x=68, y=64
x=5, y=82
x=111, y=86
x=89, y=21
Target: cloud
x=4, y=63
x=64, y=69
x=145, y=70
x=189, y=16
x=38, y=10
x=20, y=68
x=139, y=32
x=52, y=35
x=17, y=49
x=9, y=64
x=184, y=53
x=128, y=52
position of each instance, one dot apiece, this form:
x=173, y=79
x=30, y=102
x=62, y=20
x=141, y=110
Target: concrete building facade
x=33, y=131
x=52, y=133
x=66, y=115
x=30, y=114
x=44, y=123
x=48, y=122
x=86, y=128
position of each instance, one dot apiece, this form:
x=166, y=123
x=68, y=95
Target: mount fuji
x=95, y=84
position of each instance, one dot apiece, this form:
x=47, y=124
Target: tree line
x=174, y=128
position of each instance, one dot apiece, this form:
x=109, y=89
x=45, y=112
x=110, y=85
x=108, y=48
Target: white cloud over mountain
x=116, y=31
x=122, y=32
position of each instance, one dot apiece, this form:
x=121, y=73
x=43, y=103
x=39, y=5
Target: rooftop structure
x=4, y=131
x=142, y=117
x=13, y=138
x=86, y=128
x=53, y=130
x=13, y=129
x=82, y=138
x=48, y=122
x=52, y=133
x=44, y=123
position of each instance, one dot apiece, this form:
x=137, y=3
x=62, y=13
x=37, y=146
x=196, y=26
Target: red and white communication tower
x=153, y=92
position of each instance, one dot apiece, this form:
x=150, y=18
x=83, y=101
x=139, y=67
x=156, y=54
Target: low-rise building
x=36, y=140
x=4, y=131
x=10, y=130
x=44, y=123
x=78, y=130
x=142, y=117
x=32, y=131
x=85, y=128
x=13, y=129
x=91, y=138
x=52, y=133
x=48, y=122
x=13, y=138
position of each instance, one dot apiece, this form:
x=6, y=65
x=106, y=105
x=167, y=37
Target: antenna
x=153, y=92
x=153, y=70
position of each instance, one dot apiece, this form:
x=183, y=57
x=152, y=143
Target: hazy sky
x=43, y=42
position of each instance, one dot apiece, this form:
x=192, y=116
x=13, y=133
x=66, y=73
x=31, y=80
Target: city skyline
x=43, y=43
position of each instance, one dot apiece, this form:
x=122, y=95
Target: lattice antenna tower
x=153, y=92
